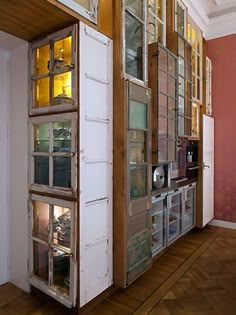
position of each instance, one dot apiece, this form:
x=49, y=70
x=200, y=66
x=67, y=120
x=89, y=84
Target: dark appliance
x=192, y=160
x=178, y=168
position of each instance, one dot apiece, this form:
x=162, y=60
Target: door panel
x=208, y=169
x=95, y=163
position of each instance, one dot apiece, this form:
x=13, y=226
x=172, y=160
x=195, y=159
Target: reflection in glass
x=162, y=144
x=41, y=166
x=171, y=108
x=41, y=138
x=41, y=58
x=61, y=270
x=171, y=86
x=41, y=220
x=171, y=150
x=162, y=125
x=62, y=136
x=138, y=182
x=134, y=46
x=162, y=60
x=162, y=82
x=61, y=226
x=62, y=171
x=171, y=129
x=41, y=93
x=40, y=264
x=137, y=115
x=84, y=3
x=180, y=20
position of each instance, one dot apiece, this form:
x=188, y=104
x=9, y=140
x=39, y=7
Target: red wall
x=222, y=52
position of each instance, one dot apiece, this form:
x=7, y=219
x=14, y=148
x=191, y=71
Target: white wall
x=4, y=83
x=18, y=192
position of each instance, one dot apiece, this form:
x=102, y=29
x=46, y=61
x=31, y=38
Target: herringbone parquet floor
x=196, y=275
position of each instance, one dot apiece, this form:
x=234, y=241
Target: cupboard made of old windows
x=163, y=81
x=156, y=21
x=65, y=165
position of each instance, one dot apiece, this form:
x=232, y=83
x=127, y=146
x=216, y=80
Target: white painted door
x=95, y=163
x=208, y=169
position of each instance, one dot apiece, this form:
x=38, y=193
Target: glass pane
x=171, y=150
x=137, y=146
x=181, y=66
x=62, y=171
x=84, y=3
x=135, y=6
x=162, y=105
x=41, y=93
x=188, y=108
x=152, y=6
x=62, y=55
x=162, y=126
x=194, y=86
x=62, y=226
x=171, y=64
x=198, y=89
x=181, y=47
x=188, y=93
x=138, y=182
x=159, y=9
x=41, y=60
x=180, y=20
x=61, y=271
x=171, y=108
x=134, y=46
x=40, y=261
x=171, y=129
x=198, y=65
x=62, y=89
x=162, y=82
x=162, y=148
x=171, y=86
x=195, y=120
x=188, y=53
x=137, y=115
x=162, y=59
x=159, y=32
x=41, y=138
x=151, y=31
x=41, y=220
x=181, y=86
x=41, y=164
x=188, y=68
x=181, y=126
x=188, y=126
x=62, y=136
x=181, y=106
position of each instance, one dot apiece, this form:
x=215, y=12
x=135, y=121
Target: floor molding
x=225, y=224
x=148, y=305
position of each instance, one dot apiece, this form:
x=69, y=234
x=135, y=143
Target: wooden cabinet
x=132, y=228
x=70, y=197
x=179, y=46
x=163, y=81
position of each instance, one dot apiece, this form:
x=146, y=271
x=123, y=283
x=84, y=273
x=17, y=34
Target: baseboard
x=225, y=224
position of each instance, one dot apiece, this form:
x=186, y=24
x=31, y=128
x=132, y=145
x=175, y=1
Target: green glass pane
x=62, y=136
x=41, y=170
x=137, y=115
x=41, y=138
x=62, y=171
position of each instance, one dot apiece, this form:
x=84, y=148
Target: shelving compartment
x=188, y=219
x=174, y=211
x=158, y=227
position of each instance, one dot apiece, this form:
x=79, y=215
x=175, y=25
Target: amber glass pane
x=84, y=3
x=61, y=271
x=41, y=60
x=41, y=220
x=62, y=89
x=40, y=261
x=62, y=54
x=62, y=226
x=41, y=138
x=41, y=93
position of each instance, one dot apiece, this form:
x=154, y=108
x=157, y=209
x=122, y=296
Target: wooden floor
x=196, y=275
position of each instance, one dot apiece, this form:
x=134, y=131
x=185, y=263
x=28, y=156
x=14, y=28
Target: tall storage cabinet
x=70, y=102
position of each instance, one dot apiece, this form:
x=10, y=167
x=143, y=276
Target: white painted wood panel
x=208, y=169
x=95, y=163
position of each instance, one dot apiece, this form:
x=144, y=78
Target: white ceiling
x=216, y=18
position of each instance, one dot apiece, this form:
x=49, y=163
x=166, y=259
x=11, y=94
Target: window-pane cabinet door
x=53, y=73
x=53, y=238
x=53, y=153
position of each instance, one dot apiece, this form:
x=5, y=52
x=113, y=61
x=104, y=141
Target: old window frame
x=161, y=38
